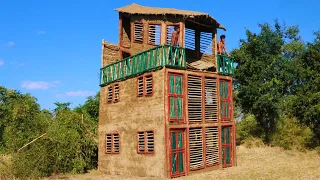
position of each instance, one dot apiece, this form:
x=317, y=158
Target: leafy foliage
x=70, y=142
x=264, y=75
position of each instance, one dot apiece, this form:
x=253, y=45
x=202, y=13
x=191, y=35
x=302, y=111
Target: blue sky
x=52, y=49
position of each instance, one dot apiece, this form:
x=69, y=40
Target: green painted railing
x=164, y=55
x=225, y=64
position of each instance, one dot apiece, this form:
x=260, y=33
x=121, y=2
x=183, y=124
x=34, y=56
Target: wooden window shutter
x=195, y=98
x=116, y=93
x=145, y=142
x=150, y=141
x=140, y=86
x=108, y=143
x=154, y=32
x=116, y=143
x=148, y=85
x=110, y=94
x=212, y=146
x=141, y=139
x=196, y=148
x=211, y=101
x=138, y=32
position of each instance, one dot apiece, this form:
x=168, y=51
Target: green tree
x=20, y=119
x=61, y=106
x=305, y=105
x=90, y=107
x=262, y=76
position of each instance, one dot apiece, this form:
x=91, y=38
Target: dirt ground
x=254, y=163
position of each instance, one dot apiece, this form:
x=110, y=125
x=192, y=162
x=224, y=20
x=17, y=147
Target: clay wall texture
x=110, y=53
x=128, y=116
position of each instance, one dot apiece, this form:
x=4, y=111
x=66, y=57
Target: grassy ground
x=253, y=163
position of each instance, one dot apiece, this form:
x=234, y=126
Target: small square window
x=113, y=94
x=145, y=85
x=145, y=142
x=112, y=143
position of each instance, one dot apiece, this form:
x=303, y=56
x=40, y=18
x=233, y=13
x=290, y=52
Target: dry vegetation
x=253, y=163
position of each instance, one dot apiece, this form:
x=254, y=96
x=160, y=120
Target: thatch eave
x=135, y=9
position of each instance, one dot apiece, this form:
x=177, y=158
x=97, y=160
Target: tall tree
x=306, y=104
x=262, y=77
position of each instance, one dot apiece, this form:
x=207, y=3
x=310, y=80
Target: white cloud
x=10, y=43
x=1, y=62
x=41, y=32
x=80, y=93
x=33, y=85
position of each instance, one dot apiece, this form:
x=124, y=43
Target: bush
x=67, y=147
x=291, y=135
x=247, y=128
x=252, y=142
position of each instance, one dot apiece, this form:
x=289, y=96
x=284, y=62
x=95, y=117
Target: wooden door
x=177, y=152
x=226, y=138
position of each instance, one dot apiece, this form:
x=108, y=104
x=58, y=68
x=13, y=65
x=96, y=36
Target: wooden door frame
x=224, y=146
x=183, y=150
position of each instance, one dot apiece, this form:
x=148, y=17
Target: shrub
x=252, y=142
x=67, y=147
x=247, y=128
x=291, y=135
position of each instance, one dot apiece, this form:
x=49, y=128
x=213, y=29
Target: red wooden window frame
x=182, y=119
x=158, y=24
x=146, y=151
x=132, y=31
x=144, y=86
x=224, y=146
x=176, y=151
x=228, y=99
x=112, y=98
x=112, y=143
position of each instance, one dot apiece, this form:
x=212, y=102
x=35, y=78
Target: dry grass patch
x=253, y=163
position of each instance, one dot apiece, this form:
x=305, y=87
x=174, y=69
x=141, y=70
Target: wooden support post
x=214, y=47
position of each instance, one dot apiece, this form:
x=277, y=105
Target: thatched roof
x=201, y=65
x=188, y=15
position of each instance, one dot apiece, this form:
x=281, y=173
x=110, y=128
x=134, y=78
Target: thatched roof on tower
x=200, y=17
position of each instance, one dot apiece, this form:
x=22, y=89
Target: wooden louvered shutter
x=194, y=99
x=148, y=85
x=140, y=86
x=150, y=141
x=108, y=143
x=196, y=148
x=110, y=92
x=112, y=143
x=138, y=32
x=154, y=34
x=141, y=139
x=211, y=101
x=116, y=93
x=145, y=142
x=116, y=145
x=212, y=146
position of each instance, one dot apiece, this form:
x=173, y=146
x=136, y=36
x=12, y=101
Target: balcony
x=225, y=64
x=157, y=57
x=151, y=59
